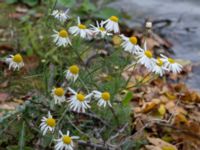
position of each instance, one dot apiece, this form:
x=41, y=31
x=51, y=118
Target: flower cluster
x=65, y=141
x=78, y=101
x=145, y=57
x=61, y=38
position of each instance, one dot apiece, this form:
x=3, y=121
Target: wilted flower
x=112, y=24
x=72, y=73
x=58, y=95
x=15, y=61
x=103, y=98
x=99, y=30
x=48, y=124
x=61, y=38
x=61, y=15
x=81, y=30
x=158, y=67
x=171, y=65
x=146, y=58
x=78, y=101
x=65, y=142
x=130, y=44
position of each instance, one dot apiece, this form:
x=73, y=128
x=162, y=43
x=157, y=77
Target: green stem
x=115, y=115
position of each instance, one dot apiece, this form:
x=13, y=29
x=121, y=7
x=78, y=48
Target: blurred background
x=175, y=20
x=183, y=29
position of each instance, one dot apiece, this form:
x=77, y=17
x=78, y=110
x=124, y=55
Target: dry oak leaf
x=9, y=106
x=4, y=97
x=148, y=106
x=161, y=144
x=151, y=147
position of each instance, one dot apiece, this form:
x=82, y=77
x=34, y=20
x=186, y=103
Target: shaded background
x=183, y=32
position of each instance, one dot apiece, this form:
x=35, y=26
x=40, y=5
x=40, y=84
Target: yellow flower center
x=51, y=122
x=74, y=69
x=63, y=33
x=59, y=91
x=66, y=139
x=80, y=97
x=133, y=40
x=17, y=58
x=159, y=62
x=114, y=18
x=171, y=60
x=101, y=28
x=148, y=53
x=105, y=96
x=81, y=26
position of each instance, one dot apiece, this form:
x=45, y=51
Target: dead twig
x=108, y=142
x=94, y=146
x=175, y=129
x=91, y=115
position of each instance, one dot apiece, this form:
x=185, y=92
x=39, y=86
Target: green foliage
x=107, y=12
x=22, y=137
x=16, y=147
x=67, y=3
x=88, y=6
x=136, y=145
x=28, y=2
x=11, y=1
x=34, y=36
x=127, y=98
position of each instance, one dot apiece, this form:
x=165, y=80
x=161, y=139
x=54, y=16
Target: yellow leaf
x=161, y=144
x=148, y=107
x=116, y=40
x=168, y=148
x=167, y=138
x=171, y=96
x=181, y=118
x=156, y=101
x=162, y=110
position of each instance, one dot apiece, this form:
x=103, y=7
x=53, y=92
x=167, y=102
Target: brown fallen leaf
x=152, y=147
x=9, y=106
x=16, y=15
x=4, y=97
x=116, y=40
x=161, y=144
x=148, y=107
x=4, y=84
x=31, y=62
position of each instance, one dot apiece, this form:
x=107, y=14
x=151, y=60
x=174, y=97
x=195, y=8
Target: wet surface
x=184, y=32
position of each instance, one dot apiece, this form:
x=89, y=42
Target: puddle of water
x=184, y=31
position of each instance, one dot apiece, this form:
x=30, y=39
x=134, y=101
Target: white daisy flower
x=171, y=65
x=130, y=44
x=146, y=58
x=81, y=30
x=112, y=24
x=65, y=142
x=47, y=124
x=103, y=98
x=72, y=73
x=99, y=30
x=61, y=15
x=15, y=61
x=58, y=95
x=61, y=38
x=159, y=67
x=78, y=101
